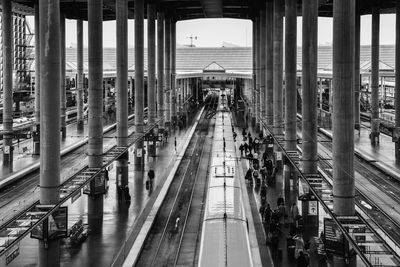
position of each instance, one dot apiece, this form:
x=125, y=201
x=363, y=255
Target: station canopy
x=195, y=9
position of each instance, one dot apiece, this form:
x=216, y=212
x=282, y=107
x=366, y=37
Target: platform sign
x=139, y=152
x=58, y=223
x=312, y=207
x=97, y=186
x=7, y=149
x=12, y=253
x=76, y=196
x=334, y=239
x=54, y=227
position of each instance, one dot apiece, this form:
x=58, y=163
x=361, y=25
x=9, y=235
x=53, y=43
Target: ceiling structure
x=195, y=9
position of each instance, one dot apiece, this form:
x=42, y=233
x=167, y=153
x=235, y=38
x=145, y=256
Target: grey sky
x=213, y=32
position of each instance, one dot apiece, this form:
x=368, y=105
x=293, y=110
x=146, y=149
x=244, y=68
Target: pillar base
x=122, y=173
x=174, y=122
x=253, y=121
x=167, y=126
x=151, y=148
x=139, y=159
x=7, y=155
x=49, y=253
x=374, y=136
x=63, y=132
x=80, y=125
x=36, y=148
x=357, y=126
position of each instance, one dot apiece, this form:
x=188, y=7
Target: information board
x=334, y=239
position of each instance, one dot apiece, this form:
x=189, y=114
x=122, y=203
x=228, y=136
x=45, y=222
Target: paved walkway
x=23, y=151
x=104, y=243
x=381, y=155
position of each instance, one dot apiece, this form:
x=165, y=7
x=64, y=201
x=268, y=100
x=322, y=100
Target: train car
x=224, y=239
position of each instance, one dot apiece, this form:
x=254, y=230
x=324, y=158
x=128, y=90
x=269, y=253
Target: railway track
x=174, y=237
x=24, y=191
x=386, y=189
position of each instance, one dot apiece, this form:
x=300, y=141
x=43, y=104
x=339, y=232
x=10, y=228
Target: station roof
x=195, y=9
x=230, y=59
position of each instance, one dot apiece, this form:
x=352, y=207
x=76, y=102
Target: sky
x=213, y=32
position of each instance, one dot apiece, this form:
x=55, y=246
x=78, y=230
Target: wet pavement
x=22, y=153
x=104, y=242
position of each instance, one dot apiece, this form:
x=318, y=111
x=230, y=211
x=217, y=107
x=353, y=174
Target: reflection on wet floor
x=109, y=231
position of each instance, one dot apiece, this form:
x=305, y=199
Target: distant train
x=224, y=239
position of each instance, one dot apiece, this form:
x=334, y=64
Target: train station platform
x=381, y=156
x=24, y=161
x=108, y=239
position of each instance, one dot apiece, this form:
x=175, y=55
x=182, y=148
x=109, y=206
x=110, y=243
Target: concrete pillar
x=139, y=80
x=263, y=33
x=253, y=91
x=95, y=105
x=343, y=112
x=122, y=89
x=50, y=71
x=36, y=131
x=356, y=79
x=309, y=76
x=258, y=68
x=375, y=77
x=63, y=85
x=291, y=88
x=151, y=71
x=167, y=66
x=397, y=82
x=8, y=55
x=160, y=65
x=173, y=73
x=79, y=69
x=278, y=66
x=270, y=63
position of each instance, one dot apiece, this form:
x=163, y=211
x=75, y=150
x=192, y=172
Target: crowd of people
x=262, y=171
